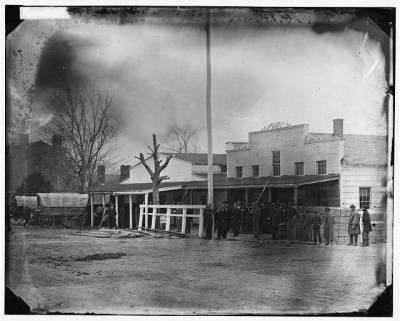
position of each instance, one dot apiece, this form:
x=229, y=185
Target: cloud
x=261, y=73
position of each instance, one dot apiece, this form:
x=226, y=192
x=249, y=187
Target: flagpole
x=209, y=118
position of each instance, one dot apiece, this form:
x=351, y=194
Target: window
x=239, y=171
x=223, y=168
x=321, y=167
x=365, y=197
x=276, y=163
x=256, y=171
x=299, y=168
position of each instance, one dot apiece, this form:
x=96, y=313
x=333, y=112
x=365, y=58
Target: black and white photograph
x=186, y=160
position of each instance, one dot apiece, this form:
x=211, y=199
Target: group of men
x=273, y=218
x=107, y=216
x=256, y=219
x=284, y=220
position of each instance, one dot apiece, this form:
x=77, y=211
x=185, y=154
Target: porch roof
x=219, y=183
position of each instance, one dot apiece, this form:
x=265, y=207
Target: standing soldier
x=237, y=214
x=329, y=222
x=256, y=213
x=291, y=222
x=316, y=225
x=219, y=219
x=367, y=227
x=226, y=213
x=208, y=221
x=275, y=217
x=354, y=226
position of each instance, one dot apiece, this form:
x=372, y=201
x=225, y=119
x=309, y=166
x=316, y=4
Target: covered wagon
x=22, y=209
x=68, y=209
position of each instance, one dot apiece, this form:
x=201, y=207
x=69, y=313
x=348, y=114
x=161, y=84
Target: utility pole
x=209, y=118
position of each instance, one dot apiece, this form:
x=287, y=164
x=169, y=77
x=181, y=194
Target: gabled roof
x=365, y=149
x=201, y=158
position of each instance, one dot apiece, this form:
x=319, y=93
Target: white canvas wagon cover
x=27, y=201
x=63, y=200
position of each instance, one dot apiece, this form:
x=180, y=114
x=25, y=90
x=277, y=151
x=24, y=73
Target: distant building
x=24, y=158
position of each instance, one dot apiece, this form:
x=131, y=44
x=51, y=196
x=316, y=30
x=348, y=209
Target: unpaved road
x=53, y=270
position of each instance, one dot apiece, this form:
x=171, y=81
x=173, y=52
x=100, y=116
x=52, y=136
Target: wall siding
x=290, y=143
x=178, y=171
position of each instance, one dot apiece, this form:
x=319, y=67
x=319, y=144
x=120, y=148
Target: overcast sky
x=261, y=73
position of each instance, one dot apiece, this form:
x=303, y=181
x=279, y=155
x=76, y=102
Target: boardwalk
x=54, y=270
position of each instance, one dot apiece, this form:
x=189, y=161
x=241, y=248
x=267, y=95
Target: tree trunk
x=156, y=201
x=82, y=182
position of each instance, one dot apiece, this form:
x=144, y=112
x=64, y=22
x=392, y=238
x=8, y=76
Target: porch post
x=130, y=212
x=140, y=218
x=116, y=210
x=91, y=211
x=104, y=200
x=184, y=220
x=146, y=210
x=167, y=225
x=295, y=195
x=201, y=222
x=270, y=195
x=153, y=221
x=246, y=197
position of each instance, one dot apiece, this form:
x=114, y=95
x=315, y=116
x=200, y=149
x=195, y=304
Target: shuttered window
x=239, y=171
x=321, y=167
x=365, y=197
x=276, y=163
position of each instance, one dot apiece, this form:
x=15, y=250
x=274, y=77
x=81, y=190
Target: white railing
x=169, y=211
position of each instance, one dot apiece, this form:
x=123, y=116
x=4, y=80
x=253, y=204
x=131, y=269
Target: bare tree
x=155, y=174
x=181, y=138
x=84, y=119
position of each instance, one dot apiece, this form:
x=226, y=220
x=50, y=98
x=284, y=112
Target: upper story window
x=239, y=171
x=321, y=167
x=256, y=171
x=299, y=168
x=365, y=197
x=223, y=168
x=276, y=163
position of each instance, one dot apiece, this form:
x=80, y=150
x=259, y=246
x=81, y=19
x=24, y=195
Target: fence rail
x=168, y=211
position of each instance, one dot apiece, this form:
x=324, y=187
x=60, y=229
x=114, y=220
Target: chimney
x=57, y=140
x=338, y=127
x=101, y=174
x=125, y=171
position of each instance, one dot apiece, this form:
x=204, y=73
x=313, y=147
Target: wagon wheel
x=46, y=220
x=17, y=220
x=73, y=220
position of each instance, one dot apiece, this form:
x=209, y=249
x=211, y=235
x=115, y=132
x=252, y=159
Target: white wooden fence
x=169, y=211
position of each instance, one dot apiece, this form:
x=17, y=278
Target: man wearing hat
x=367, y=227
x=354, y=226
x=328, y=223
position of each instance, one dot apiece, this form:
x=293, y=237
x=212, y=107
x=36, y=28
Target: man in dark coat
x=275, y=219
x=208, y=221
x=354, y=226
x=367, y=227
x=256, y=213
x=316, y=225
x=329, y=222
x=291, y=222
x=219, y=221
x=226, y=214
x=237, y=215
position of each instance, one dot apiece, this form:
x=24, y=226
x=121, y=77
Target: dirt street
x=53, y=270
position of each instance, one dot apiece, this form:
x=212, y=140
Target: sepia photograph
x=199, y=160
